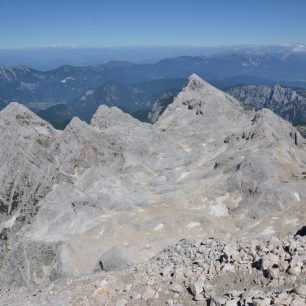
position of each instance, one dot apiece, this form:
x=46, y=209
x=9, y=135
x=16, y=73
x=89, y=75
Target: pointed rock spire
x=195, y=82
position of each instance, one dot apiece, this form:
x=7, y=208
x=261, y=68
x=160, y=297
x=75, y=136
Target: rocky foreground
x=257, y=271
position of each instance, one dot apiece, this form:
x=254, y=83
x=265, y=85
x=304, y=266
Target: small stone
x=148, y=294
x=170, y=302
x=234, y=293
x=208, y=288
x=274, y=283
x=231, y=303
x=290, y=280
x=246, y=301
x=296, y=271
x=298, y=302
x=121, y=302
x=270, y=260
x=283, y=266
x=152, y=302
x=166, y=272
x=196, y=289
x=175, y=287
x=228, y=268
x=128, y=287
x=101, y=294
x=283, y=299
x=301, y=290
x=199, y=297
x=214, y=302
x=135, y=296
x=261, y=302
x=273, y=273
x=221, y=300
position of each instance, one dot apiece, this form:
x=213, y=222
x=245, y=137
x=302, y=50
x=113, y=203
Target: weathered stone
x=232, y=302
x=114, y=259
x=148, y=294
x=121, y=302
x=295, y=270
x=301, y=290
x=175, y=287
x=298, y=302
x=261, y=302
x=196, y=288
x=214, y=302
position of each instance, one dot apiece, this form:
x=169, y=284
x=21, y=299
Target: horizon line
x=178, y=46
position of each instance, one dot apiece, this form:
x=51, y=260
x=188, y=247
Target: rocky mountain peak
x=15, y=108
x=106, y=117
x=21, y=116
x=199, y=103
x=197, y=85
x=195, y=82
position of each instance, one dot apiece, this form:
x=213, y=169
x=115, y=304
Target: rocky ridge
x=118, y=191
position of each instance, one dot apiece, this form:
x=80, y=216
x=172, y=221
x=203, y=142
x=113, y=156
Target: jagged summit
x=24, y=118
x=75, y=122
x=195, y=82
x=15, y=107
x=106, y=117
x=200, y=103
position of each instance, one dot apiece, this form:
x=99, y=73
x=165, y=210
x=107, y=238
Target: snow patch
x=297, y=196
x=192, y=225
x=9, y=223
x=67, y=79
x=183, y=175
x=89, y=92
x=268, y=231
x=220, y=209
x=186, y=148
x=159, y=227
x=291, y=221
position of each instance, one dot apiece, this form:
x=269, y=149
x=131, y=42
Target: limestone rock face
x=26, y=163
x=286, y=102
x=207, y=167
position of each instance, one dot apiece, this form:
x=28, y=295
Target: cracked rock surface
x=118, y=191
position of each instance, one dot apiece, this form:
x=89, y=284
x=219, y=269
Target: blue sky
x=33, y=23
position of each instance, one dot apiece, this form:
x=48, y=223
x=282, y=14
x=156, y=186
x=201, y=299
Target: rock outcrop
x=286, y=102
x=208, y=167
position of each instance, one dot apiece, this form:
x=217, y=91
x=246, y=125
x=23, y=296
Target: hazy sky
x=28, y=23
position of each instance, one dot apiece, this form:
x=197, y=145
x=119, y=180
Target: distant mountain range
x=51, y=57
x=68, y=82
x=144, y=90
